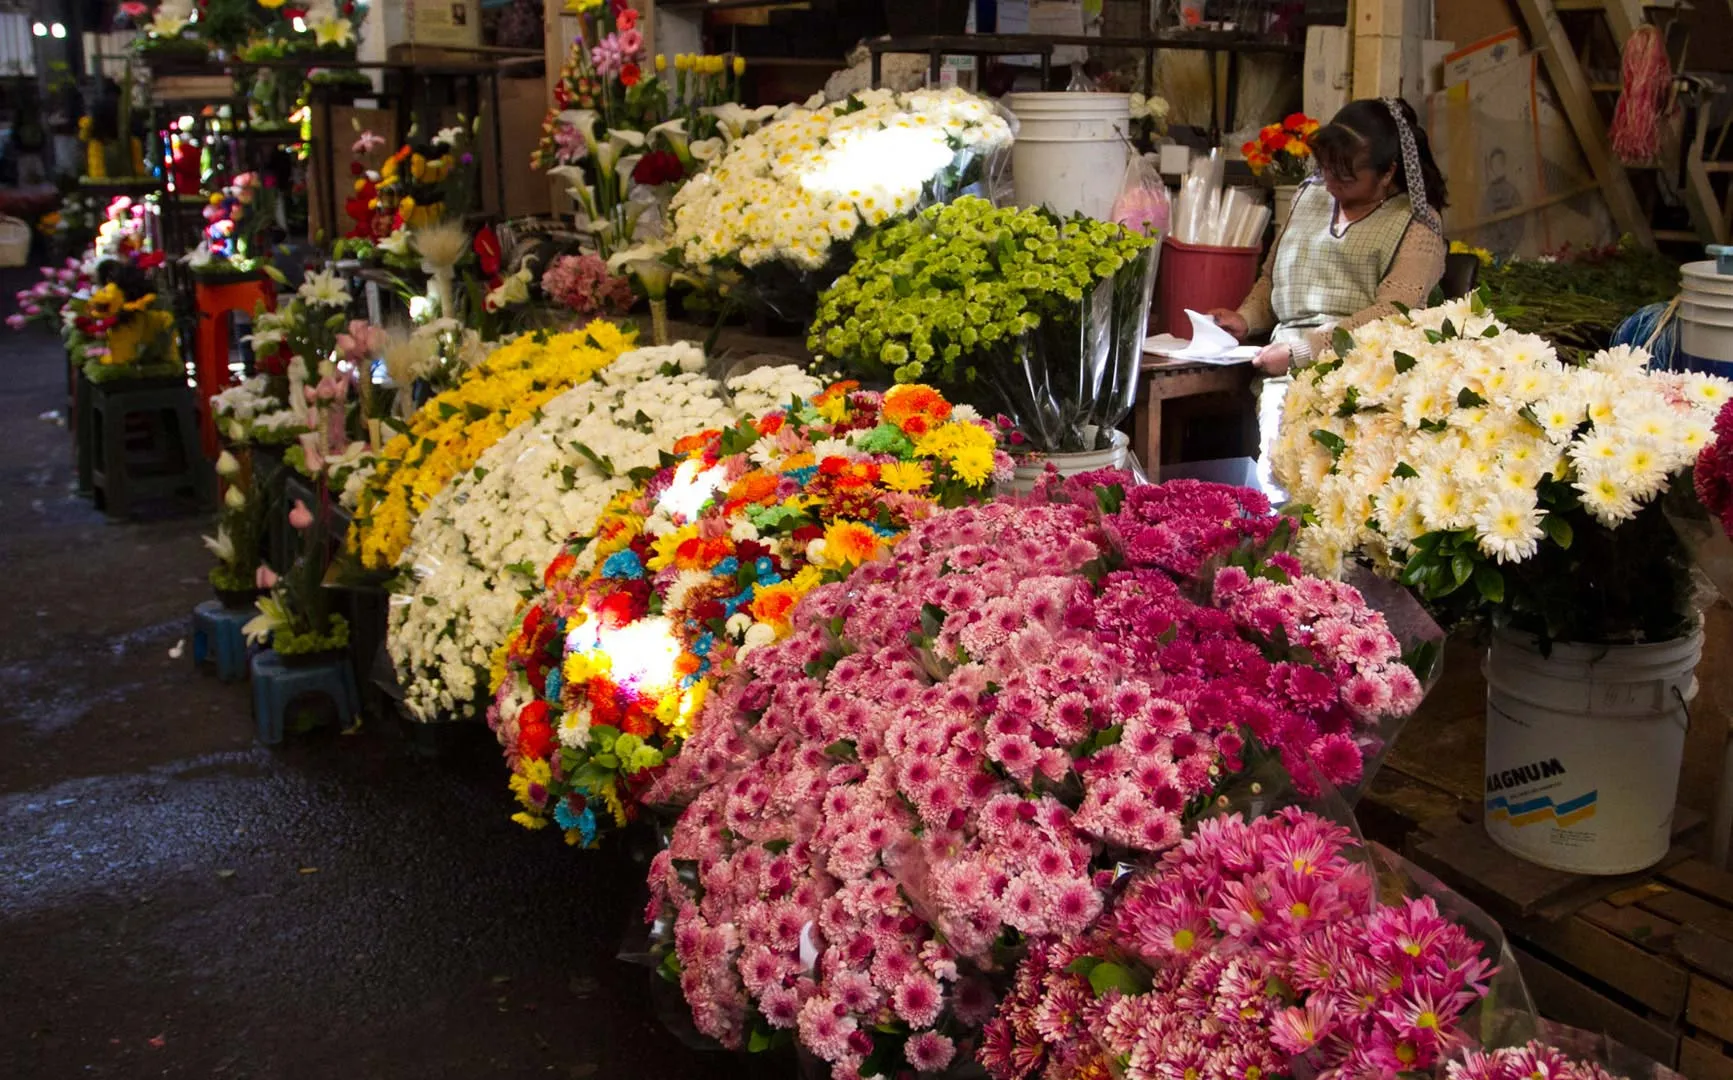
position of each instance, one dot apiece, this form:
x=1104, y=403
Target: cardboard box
x=450, y=23
x=1487, y=53
x=1518, y=184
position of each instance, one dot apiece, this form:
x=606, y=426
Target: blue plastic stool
x=217, y=637
x=276, y=685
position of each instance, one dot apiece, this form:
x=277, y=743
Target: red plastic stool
x=216, y=304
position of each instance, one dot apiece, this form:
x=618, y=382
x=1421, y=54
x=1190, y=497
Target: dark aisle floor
x=176, y=901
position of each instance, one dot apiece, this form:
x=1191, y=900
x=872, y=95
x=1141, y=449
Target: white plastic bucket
x=1117, y=456
x=1706, y=319
x=1583, y=750
x=1071, y=151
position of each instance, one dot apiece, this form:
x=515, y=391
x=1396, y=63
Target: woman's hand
x=1274, y=359
x=1231, y=321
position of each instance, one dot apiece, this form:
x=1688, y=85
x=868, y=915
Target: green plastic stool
x=277, y=685
x=171, y=465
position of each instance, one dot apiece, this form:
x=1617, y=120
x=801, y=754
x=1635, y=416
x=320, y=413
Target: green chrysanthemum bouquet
x=1016, y=310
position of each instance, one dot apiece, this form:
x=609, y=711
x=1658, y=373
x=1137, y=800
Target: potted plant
x=298, y=617
x=1515, y=491
x=240, y=531
x=1016, y=311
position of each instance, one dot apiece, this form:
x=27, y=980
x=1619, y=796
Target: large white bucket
x=1117, y=456
x=1583, y=750
x=1706, y=319
x=1071, y=151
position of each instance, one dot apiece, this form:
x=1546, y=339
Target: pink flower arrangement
x=583, y=284
x=1524, y=1063
x=1713, y=475
x=43, y=300
x=1252, y=948
x=952, y=750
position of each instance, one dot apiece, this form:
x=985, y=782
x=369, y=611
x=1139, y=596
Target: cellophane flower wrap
x=699, y=565
x=477, y=550
x=1557, y=1052
x=1469, y=462
x=1020, y=311
x=782, y=202
x=1257, y=947
x=956, y=746
x=447, y=435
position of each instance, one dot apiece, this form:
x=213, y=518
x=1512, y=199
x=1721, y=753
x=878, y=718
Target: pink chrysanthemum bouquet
x=1254, y=949
x=953, y=749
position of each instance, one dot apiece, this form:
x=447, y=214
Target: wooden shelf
x=698, y=7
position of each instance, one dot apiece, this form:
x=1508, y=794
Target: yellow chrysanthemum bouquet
x=448, y=434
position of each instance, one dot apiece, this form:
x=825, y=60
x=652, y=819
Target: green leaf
x=1490, y=583
x=603, y=464
x=1401, y=308
x=526, y=568
x=1404, y=362
x=1462, y=567
x=758, y=1041
x=842, y=749
x=1468, y=399
x=1404, y=470
x=1083, y=965
x=1330, y=441
x=1342, y=342
x=1434, y=426
x=1559, y=530
x=1447, y=330
x=1108, y=976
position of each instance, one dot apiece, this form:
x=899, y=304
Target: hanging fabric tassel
x=1646, y=74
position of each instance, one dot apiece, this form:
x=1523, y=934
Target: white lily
x=628, y=165
x=706, y=150
x=228, y=466
x=674, y=133
x=646, y=263
x=396, y=244
x=736, y=119
x=514, y=289
x=585, y=121
x=221, y=545
x=270, y=617
x=325, y=289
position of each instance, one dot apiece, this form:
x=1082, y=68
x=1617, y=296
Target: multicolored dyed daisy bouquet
x=1255, y=948
x=699, y=566
x=952, y=751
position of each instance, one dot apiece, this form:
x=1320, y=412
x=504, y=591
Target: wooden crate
x=1646, y=959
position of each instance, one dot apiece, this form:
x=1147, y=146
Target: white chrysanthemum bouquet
x=1473, y=464
x=814, y=177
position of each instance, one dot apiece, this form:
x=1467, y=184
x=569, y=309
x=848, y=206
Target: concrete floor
x=178, y=901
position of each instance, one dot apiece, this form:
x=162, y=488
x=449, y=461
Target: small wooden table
x=1165, y=380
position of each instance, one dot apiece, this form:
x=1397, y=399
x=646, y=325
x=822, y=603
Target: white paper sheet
x=1209, y=344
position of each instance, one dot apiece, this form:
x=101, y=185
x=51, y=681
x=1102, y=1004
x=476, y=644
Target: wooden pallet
x=1646, y=959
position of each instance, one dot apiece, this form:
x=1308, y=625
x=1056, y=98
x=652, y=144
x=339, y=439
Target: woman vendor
x=1363, y=236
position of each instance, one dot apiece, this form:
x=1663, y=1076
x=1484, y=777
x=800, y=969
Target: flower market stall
x=767, y=502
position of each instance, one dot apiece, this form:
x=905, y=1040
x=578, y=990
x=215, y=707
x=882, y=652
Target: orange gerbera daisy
x=915, y=409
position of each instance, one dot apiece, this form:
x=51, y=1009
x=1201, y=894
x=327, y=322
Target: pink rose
x=264, y=577
x=300, y=517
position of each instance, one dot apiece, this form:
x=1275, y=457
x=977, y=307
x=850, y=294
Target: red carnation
x=629, y=75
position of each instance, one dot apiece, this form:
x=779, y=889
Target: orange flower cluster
x=1286, y=148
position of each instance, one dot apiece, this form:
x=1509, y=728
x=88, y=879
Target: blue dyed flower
x=727, y=566
x=764, y=568
x=706, y=641
x=733, y=603
x=803, y=475
x=584, y=822
x=623, y=564
x=556, y=680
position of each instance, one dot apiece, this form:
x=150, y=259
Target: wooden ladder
x=1576, y=97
